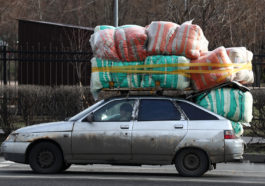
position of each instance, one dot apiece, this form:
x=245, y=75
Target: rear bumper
x=15, y=151
x=234, y=149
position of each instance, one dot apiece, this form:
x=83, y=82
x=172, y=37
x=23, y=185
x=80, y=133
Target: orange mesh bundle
x=130, y=43
x=209, y=74
x=171, y=39
x=159, y=35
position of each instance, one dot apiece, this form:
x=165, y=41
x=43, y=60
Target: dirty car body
x=159, y=131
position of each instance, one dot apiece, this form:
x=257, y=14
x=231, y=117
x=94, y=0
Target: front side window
x=157, y=110
x=119, y=110
x=195, y=113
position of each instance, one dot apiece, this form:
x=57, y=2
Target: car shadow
x=109, y=173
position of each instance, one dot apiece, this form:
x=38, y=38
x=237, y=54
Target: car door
x=206, y=130
x=107, y=137
x=157, y=131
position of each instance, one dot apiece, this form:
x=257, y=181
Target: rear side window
x=157, y=110
x=195, y=113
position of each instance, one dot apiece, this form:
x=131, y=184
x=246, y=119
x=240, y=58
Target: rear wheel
x=46, y=157
x=65, y=166
x=191, y=162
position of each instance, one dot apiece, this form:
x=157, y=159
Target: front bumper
x=234, y=149
x=15, y=151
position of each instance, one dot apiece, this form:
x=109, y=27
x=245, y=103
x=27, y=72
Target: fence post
x=4, y=65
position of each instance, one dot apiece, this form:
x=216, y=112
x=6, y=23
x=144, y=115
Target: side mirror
x=90, y=118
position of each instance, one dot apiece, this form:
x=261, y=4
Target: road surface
x=229, y=174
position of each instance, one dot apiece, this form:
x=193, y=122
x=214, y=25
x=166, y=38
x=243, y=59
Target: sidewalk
x=250, y=140
x=254, y=158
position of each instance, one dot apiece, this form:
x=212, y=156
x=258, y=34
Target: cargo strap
x=149, y=69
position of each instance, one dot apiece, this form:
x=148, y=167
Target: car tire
x=46, y=157
x=65, y=166
x=191, y=162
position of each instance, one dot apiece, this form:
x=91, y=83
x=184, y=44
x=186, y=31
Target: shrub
x=35, y=104
x=7, y=109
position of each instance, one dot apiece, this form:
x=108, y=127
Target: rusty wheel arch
x=34, y=143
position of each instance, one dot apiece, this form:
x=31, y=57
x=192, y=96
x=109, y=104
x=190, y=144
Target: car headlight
x=12, y=137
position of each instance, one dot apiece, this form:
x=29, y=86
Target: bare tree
x=224, y=22
x=258, y=122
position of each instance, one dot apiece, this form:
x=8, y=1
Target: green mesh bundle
x=166, y=80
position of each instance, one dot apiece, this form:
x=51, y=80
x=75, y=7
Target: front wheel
x=46, y=157
x=191, y=162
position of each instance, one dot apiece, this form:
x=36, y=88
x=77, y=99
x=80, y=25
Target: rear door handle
x=178, y=126
x=124, y=126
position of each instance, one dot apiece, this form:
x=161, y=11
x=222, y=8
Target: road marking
x=6, y=163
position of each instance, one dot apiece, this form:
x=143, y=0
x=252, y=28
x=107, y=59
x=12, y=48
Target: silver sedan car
x=129, y=131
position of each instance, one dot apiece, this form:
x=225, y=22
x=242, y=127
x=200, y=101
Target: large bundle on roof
x=103, y=45
x=222, y=65
x=238, y=128
x=125, y=43
x=103, y=27
x=242, y=57
x=232, y=104
x=211, y=69
x=165, y=71
x=130, y=43
x=166, y=38
x=102, y=77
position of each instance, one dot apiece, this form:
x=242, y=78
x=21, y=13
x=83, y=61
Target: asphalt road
x=229, y=174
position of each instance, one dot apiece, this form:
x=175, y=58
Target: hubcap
x=45, y=159
x=191, y=161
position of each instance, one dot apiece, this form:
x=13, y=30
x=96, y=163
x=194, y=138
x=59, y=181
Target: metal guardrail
x=39, y=67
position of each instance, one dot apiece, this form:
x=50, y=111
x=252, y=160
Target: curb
x=254, y=158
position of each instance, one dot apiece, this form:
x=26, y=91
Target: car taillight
x=229, y=134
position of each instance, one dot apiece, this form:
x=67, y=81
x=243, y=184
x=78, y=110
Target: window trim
x=184, y=117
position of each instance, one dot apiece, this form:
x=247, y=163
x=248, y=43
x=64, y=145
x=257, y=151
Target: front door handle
x=178, y=126
x=124, y=126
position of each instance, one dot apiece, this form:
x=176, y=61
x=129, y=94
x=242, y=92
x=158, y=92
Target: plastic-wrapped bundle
x=230, y=103
x=101, y=75
x=213, y=68
x=130, y=43
x=103, y=45
x=125, y=43
x=238, y=128
x=103, y=27
x=240, y=55
x=171, y=39
x=166, y=79
x=160, y=35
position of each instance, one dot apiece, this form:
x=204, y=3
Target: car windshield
x=86, y=111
